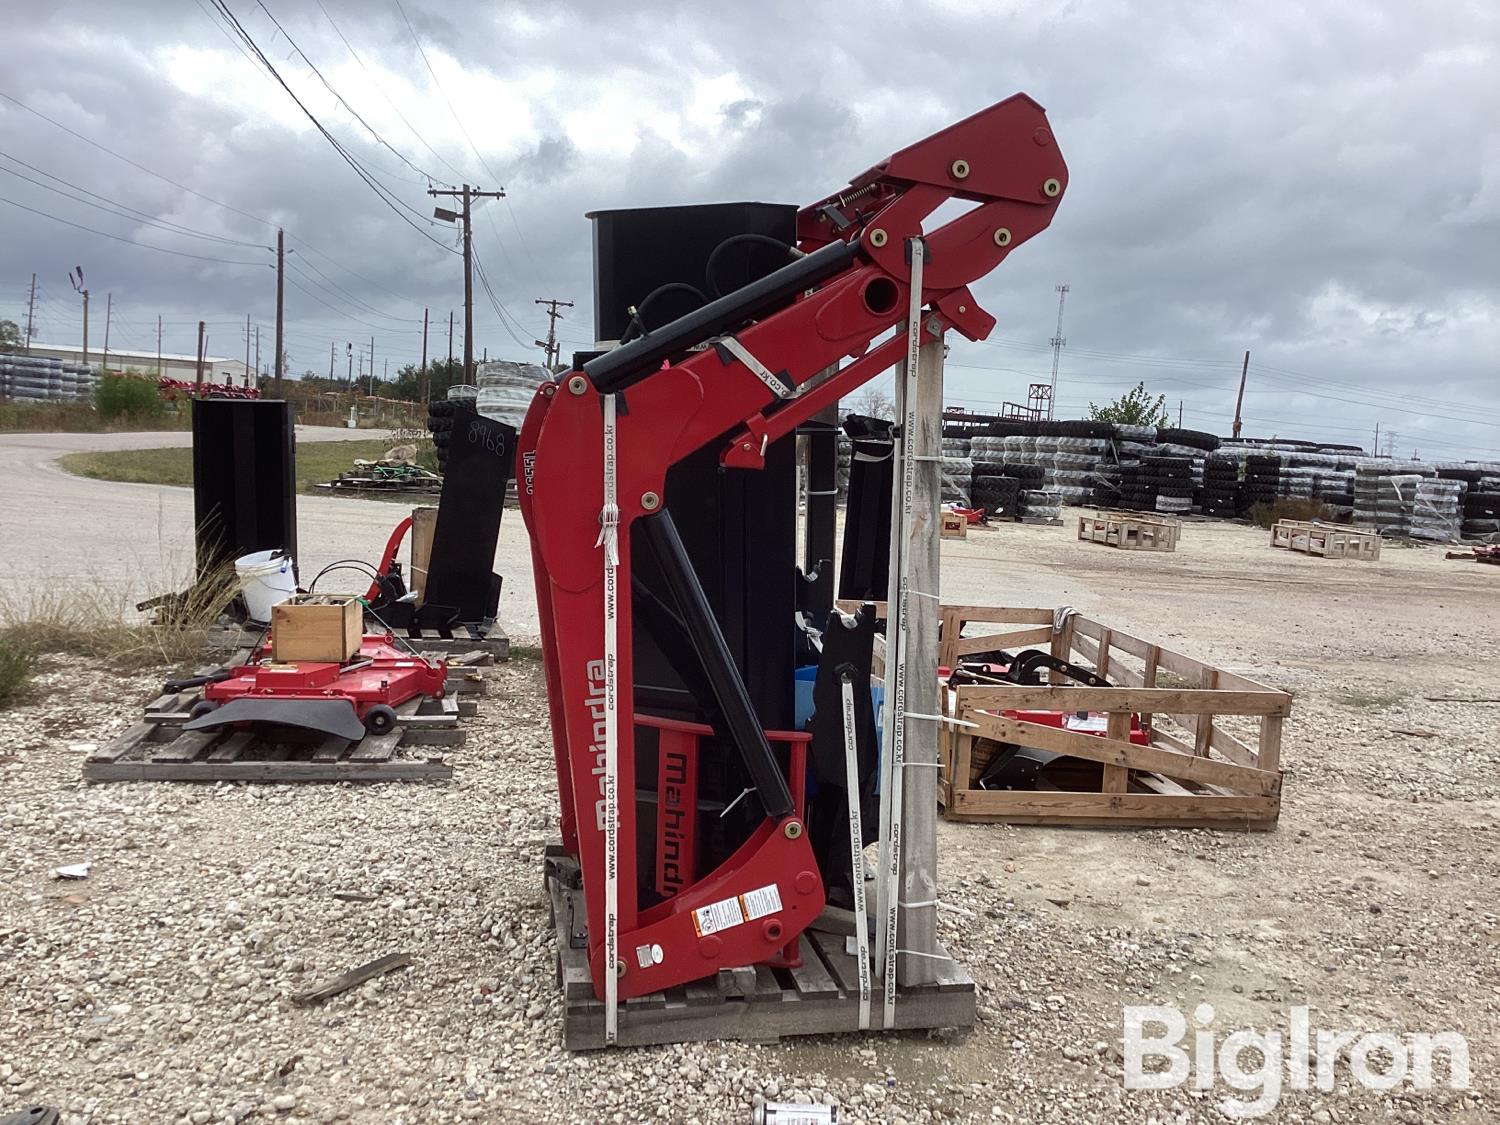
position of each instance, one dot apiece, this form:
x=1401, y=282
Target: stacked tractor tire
x=957, y=472
x=442, y=416
x=1081, y=463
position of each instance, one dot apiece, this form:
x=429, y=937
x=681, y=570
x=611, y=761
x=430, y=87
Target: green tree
x=126, y=396
x=1136, y=408
x=407, y=383
x=10, y=335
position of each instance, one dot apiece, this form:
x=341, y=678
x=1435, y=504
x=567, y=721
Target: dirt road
x=136, y=540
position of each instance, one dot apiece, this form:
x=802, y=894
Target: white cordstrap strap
x=891, y=814
x=757, y=368
x=609, y=539
x=856, y=854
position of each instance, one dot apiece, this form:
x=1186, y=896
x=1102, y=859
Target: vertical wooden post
x=1269, y=756
x=1101, y=666
x=917, y=924
x=1148, y=680
x=1117, y=778
x=1203, y=728
x=1062, y=648
x=423, y=526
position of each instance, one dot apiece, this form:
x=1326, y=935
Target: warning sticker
x=1093, y=722
x=718, y=916
x=761, y=901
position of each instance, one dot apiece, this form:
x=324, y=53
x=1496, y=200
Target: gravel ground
x=157, y=989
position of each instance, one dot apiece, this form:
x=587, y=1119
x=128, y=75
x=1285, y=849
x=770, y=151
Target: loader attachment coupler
x=735, y=375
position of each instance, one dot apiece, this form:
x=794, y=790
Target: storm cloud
x=1319, y=184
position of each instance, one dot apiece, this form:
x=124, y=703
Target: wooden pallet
x=1324, y=541
x=758, y=1005
x=1130, y=531
x=158, y=749
x=1215, y=737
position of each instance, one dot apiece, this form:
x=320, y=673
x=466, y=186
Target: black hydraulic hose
x=630, y=363
x=710, y=277
x=637, y=323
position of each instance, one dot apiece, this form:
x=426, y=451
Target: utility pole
x=109, y=309
x=1057, y=345
x=331, y=346
x=76, y=277
x=550, y=344
x=1244, y=371
x=199, y=376
x=1179, y=414
x=247, y=344
x=450, y=344
x=30, y=312
x=422, y=371
x=468, y=195
x=280, y=277
x=257, y=355
x=158, y=345
x=1375, y=449
x=372, y=365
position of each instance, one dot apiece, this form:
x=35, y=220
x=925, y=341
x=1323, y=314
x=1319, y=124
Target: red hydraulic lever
x=765, y=342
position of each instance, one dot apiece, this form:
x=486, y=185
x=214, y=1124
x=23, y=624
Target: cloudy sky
x=1318, y=183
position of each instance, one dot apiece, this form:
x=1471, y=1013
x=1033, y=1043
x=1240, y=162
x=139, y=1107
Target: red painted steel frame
x=1004, y=161
x=392, y=676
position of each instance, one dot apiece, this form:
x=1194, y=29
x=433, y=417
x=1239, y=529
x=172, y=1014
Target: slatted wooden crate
x=1215, y=737
x=1324, y=541
x=756, y=1004
x=1130, y=531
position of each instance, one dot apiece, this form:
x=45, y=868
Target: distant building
x=216, y=369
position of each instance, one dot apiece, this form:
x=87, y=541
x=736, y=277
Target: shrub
x=15, y=672
x=1287, y=508
x=123, y=396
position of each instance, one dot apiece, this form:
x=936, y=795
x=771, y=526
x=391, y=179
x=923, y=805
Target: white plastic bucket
x=266, y=578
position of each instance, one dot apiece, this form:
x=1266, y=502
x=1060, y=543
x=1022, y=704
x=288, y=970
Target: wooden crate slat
x=376, y=747
x=331, y=749
x=133, y=737
x=1183, y=701
x=187, y=746
x=1112, y=752
x=232, y=747
x=1156, y=807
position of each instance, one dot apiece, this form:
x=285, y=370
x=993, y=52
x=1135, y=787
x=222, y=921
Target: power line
x=341, y=99
x=456, y=120
x=414, y=131
x=379, y=189
x=301, y=242
x=119, y=210
x=131, y=241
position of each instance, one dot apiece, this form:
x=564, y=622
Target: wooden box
x=954, y=526
x=1324, y=541
x=317, y=627
x=1214, y=753
x=1130, y=531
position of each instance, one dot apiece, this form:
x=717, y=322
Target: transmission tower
x=1057, y=347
